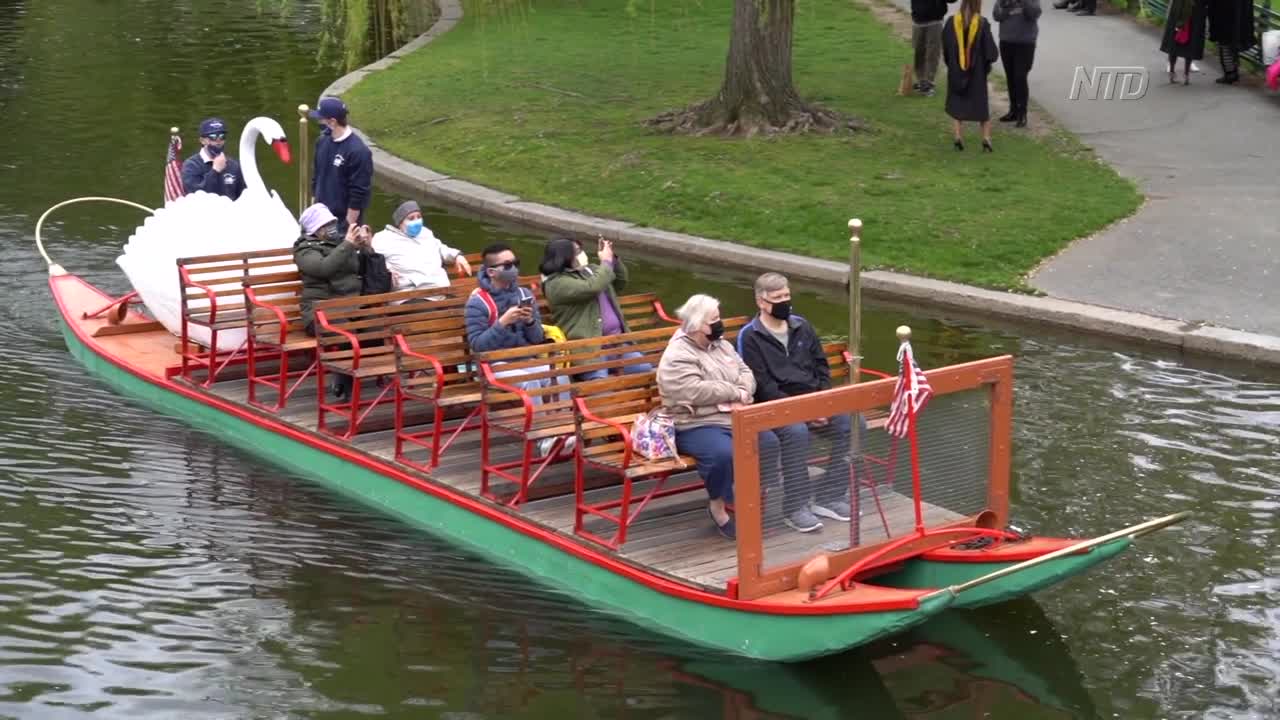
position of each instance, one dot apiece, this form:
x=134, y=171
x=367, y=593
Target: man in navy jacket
x=343, y=174
x=212, y=170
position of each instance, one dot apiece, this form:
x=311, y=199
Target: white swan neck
x=248, y=158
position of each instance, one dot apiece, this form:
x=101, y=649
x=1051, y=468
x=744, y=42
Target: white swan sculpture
x=205, y=224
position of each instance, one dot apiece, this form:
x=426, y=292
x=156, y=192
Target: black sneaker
x=927, y=90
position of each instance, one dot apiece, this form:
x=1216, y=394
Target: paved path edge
x=1083, y=317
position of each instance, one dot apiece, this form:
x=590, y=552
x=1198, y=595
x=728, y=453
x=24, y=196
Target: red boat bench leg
x=625, y=514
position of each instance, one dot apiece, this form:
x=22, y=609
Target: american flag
x=911, y=393
x=173, y=171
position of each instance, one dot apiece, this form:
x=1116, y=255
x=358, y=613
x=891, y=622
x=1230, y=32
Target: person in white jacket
x=415, y=256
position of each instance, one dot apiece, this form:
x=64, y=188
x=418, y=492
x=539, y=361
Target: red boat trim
x=655, y=582
x=1002, y=552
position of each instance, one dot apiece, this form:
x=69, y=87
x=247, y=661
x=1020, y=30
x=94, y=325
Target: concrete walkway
x=1206, y=246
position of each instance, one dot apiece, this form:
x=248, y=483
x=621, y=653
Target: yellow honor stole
x=966, y=44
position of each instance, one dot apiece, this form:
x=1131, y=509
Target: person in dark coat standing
x=1019, y=27
x=1184, y=35
x=969, y=51
x=1231, y=28
x=342, y=176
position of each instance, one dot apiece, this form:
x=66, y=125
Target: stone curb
x=1083, y=317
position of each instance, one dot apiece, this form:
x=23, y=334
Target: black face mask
x=717, y=330
x=781, y=310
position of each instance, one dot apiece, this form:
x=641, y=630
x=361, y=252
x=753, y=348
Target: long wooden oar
x=1132, y=532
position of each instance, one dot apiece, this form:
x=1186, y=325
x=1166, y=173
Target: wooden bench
x=276, y=328
x=257, y=292
x=212, y=298
x=547, y=413
x=356, y=338
x=604, y=411
x=435, y=367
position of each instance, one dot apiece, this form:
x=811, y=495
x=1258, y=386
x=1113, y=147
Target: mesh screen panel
x=807, y=482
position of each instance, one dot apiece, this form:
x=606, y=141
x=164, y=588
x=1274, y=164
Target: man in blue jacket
x=500, y=314
x=211, y=169
x=786, y=356
x=342, y=177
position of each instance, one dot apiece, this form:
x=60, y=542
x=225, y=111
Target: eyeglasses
x=217, y=136
x=506, y=265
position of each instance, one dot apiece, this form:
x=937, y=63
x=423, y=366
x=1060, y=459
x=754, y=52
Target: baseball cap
x=210, y=126
x=329, y=108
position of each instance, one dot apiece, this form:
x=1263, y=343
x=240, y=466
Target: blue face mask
x=214, y=150
x=413, y=228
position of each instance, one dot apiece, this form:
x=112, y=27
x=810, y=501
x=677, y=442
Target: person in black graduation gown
x=969, y=50
x=1231, y=28
x=1191, y=15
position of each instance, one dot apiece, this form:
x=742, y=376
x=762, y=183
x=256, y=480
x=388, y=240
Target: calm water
x=148, y=570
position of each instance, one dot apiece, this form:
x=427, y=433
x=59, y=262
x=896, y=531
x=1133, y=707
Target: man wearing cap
x=343, y=174
x=212, y=170
x=415, y=256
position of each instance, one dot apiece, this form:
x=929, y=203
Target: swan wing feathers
x=201, y=224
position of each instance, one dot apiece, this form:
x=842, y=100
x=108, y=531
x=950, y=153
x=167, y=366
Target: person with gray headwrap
x=415, y=256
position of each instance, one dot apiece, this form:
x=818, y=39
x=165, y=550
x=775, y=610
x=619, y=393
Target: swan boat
x=925, y=535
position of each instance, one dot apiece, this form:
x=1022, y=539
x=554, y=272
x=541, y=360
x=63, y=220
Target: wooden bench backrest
x=565, y=360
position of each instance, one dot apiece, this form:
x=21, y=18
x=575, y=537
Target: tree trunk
x=757, y=94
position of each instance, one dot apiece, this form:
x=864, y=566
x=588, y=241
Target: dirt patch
x=1039, y=123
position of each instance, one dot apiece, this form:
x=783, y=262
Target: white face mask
x=582, y=259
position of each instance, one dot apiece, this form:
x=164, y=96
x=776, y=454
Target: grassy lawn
x=546, y=100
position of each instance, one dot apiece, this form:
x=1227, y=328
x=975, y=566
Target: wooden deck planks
x=673, y=536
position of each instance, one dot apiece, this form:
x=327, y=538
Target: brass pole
x=855, y=298
x=304, y=168
x=1133, y=532
x=855, y=367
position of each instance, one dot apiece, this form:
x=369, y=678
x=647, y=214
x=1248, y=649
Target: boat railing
x=939, y=479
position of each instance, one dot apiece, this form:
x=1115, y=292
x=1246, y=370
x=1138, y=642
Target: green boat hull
x=757, y=635
x=920, y=573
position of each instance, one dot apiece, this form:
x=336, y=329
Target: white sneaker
x=543, y=446
x=1195, y=66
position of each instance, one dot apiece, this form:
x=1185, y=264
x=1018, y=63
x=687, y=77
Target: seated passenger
x=701, y=380
x=329, y=263
x=583, y=298
x=500, y=314
x=786, y=357
x=415, y=256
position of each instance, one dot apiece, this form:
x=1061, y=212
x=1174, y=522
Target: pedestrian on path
x=1184, y=35
x=1079, y=7
x=926, y=41
x=1019, y=27
x=1231, y=28
x=969, y=51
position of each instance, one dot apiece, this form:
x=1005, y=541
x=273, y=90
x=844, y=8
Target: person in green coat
x=329, y=263
x=583, y=297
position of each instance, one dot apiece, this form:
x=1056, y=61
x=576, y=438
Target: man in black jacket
x=785, y=354
x=926, y=40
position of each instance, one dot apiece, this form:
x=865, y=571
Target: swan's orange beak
x=282, y=150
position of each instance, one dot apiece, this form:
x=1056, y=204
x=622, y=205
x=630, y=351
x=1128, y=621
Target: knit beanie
x=402, y=212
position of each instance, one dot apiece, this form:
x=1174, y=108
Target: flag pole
x=302, y=157
x=855, y=369
x=909, y=380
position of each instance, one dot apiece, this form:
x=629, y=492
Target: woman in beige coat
x=701, y=380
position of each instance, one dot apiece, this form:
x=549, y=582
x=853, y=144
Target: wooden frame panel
x=753, y=582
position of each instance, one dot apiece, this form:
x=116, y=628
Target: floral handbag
x=653, y=435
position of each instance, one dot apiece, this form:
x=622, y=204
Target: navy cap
x=329, y=108
x=212, y=125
